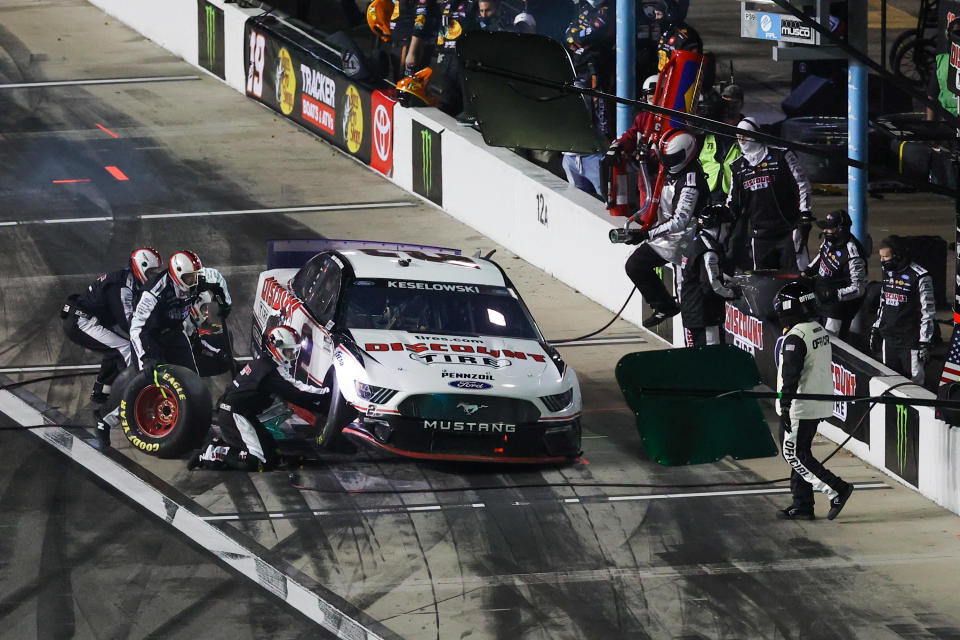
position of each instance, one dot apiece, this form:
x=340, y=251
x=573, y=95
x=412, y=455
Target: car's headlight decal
x=374, y=394
x=558, y=401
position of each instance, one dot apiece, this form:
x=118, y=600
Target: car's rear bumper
x=535, y=443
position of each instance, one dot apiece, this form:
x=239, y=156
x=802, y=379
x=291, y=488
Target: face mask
x=750, y=147
x=890, y=265
x=831, y=236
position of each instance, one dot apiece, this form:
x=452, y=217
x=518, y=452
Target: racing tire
x=916, y=60
x=167, y=420
x=118, y=387
x=340, y=414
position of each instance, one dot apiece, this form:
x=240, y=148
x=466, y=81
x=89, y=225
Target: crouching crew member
x=704, y=290
x=904, y=326
x=246, y=444
x=804, y=366
x=99, y=318
x=840, y=271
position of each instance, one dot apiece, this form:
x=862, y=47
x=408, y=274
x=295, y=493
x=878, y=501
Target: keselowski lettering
x=469, y=427
x=432, y=286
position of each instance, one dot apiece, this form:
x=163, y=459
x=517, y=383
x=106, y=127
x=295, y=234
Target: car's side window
x=307, y=276
x=321, y=295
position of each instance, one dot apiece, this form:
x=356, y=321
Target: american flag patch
x=790, y=347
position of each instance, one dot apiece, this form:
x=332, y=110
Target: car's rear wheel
x=167, y=417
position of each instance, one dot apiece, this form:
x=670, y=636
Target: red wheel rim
x=156, y=415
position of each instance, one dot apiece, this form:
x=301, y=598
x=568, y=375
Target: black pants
x=171, y=347
x=807, y=474
x=776, y=252
x=904, y=361
x=640, y=268
x=837, y=317
x=90, y=334
x=250, y=445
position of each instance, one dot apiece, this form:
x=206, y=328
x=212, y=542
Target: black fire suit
x=905, y=319
x=157, y=329
x=772, y=197
x=94, y=318
x=703, y=292
x=247, y=445
x=841, y=282
x=682, y=197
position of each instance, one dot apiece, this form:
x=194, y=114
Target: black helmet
x=794, y=303
x=836, y=226
x=712, y=216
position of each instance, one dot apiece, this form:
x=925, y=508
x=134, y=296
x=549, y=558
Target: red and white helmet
x=145, y=262
x=677, y=149
x=283, y=344
x=184, y=266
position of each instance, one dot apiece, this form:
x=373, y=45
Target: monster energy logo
x=901, y=436
x=659, y=272
x=211, y=16
x=426, y=141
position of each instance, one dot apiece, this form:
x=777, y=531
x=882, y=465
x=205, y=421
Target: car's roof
x=428, y=266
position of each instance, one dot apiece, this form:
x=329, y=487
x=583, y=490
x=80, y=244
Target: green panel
x=514, y=113
x=680, y=428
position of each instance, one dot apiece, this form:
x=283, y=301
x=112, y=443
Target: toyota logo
x=382, y=132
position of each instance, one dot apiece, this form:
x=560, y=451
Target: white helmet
x=184, y=266
x=283, y=344
x=144, y=262
x=200, y=310
x=650, y=85
x=677, y=149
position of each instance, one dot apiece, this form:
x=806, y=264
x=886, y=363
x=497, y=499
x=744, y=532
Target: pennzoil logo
x=844, y=384
x=746, y=330
x=286, y=82
x=353, y=119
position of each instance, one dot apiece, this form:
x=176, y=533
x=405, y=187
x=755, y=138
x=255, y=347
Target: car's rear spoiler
x=293, y=254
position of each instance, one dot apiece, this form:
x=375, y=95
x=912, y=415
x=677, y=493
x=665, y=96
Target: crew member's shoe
x=660, y=315
x=795, y=513
x=837, y=503
x=103, y=433
x=195, y=460
x=99, y=397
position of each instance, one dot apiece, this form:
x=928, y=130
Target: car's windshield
x=439, y=307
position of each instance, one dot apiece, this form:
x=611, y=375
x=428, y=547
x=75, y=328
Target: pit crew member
x=157, y=331
x=684, y=192
x=803, y=358
x=840, y=273
x=704, y=289
x=99, y=318
x=771, y=195
x=904, y=327
x=247, y=445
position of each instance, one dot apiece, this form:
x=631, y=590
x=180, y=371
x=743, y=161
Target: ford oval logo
x=469, y=384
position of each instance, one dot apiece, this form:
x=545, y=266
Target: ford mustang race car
x=429, y=354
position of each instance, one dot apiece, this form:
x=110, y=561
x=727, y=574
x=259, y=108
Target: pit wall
x=540, y=218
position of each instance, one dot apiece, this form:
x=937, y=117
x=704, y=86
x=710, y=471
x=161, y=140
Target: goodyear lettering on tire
x=132, y=437
x=175, y=384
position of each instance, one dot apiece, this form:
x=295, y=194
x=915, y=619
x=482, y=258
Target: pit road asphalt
x=79, y=561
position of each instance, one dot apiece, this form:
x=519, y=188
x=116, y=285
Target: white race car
x=429, y=354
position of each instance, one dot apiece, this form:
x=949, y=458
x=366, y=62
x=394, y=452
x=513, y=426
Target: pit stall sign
x=762, y=21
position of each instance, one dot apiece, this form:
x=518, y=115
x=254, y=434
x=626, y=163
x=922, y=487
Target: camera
x=620, y=236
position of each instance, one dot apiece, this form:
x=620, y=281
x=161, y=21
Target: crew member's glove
x=923, y=352
x=736, y=289
x=876, y=341
x=617, y=151
x=806, y=221
x=636, y=237
x=148, y=365
x=223, y=309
